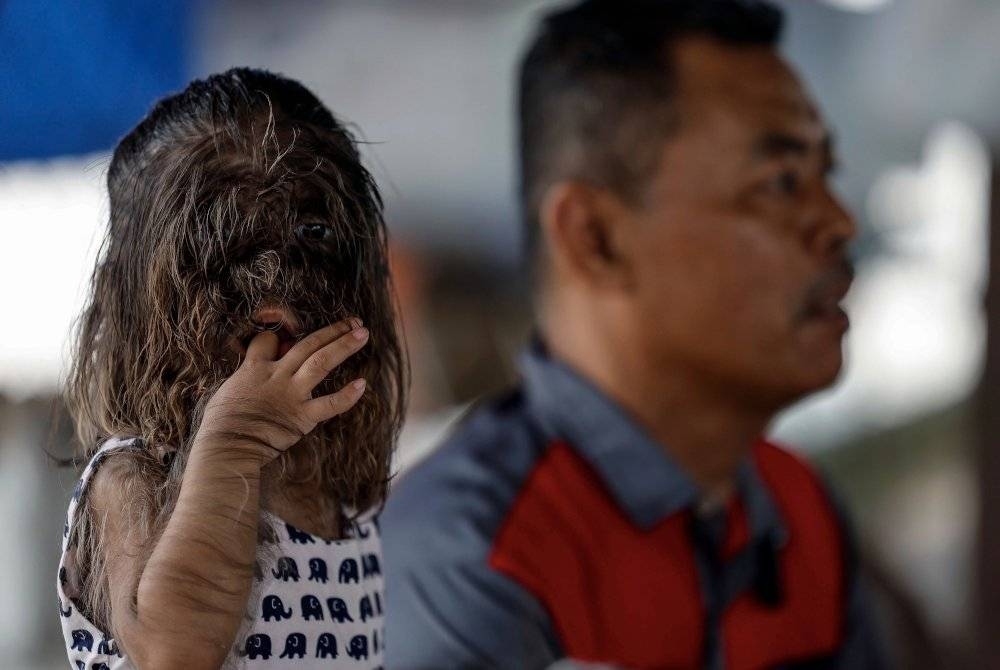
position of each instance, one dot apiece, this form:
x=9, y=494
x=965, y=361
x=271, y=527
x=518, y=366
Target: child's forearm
x=193, y=591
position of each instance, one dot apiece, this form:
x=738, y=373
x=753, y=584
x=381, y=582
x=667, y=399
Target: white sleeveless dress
x=318, y=603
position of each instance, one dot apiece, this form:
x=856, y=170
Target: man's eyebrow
x=777, y=145
x=773, y=145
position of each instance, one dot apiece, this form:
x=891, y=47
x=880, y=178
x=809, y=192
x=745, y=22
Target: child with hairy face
x=237, y=374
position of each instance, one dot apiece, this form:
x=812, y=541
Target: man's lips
x=824, y=298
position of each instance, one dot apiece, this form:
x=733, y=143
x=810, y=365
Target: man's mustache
x=830, y=287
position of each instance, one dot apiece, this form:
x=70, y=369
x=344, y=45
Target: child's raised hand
x=267, y=404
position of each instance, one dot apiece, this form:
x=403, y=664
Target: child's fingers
x=321, y=363
x=314, y=341
x=263, y=347
x=328, y=406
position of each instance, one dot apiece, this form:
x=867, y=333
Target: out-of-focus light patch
x=859, y=5
x=917, y=340
x=53, y=216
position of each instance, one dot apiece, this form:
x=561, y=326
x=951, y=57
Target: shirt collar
x=639, y=473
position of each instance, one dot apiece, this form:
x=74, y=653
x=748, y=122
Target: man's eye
x=786, y=183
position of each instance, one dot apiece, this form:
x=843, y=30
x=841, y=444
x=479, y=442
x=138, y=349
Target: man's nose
x=833, y=226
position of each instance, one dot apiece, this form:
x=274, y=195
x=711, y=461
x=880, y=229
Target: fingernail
x=359, y=384
x=360, y=333
x=355, y=322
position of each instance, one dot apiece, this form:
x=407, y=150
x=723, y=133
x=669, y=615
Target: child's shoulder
x=118, y=483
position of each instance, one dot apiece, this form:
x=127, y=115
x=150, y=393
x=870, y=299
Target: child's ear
x=165, y=455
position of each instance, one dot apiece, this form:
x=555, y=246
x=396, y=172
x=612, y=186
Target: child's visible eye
x=313, y=232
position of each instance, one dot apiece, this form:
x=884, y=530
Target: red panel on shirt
x=618, y=594
x=810, y=621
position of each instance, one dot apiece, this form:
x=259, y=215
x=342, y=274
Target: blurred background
x=910, y=87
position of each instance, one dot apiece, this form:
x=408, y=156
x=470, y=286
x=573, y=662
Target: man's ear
x=585, y=229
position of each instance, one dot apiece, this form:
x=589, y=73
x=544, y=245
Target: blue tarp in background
x=75, y=76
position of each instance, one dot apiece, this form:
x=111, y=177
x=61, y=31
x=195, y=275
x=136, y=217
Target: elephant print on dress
x=258, y=645
x=80, y=665
x=299, y=537
x=317, y=570
x=365, y=607
x=312, y=608
x=348, y=571
x=295, y=645
x=100, y=666
x=286, y=569
x=375, y=641
x=378, y=603
x=338, y=610
x=326, y=646
x=358, y=648
x=108, y=647
x=361, y=531
x=82, y=640
x=273, y=607
x=370, y=566
x=65, y=612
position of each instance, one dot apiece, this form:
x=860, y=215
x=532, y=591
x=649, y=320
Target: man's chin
x=817, y=374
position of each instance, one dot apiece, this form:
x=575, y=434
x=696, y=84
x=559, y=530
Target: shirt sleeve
x=463, y=616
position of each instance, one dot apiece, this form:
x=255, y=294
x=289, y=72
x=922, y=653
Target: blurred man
x=689, y=259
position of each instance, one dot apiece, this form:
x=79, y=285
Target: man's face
x=739, y=243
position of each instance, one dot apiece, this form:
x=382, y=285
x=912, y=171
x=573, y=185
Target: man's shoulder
x=468, y=484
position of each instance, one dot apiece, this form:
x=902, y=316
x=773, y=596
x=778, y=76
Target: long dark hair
x=209, y=195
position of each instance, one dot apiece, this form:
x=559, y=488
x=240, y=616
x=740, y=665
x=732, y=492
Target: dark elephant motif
x=80, y=665
x=326, y=646
x=365, y=607
x=295, y=645
x=312, y=608
x=317, y=570
x=362, y=531
x=100, y=666
x=348, y=571
x=299, y=537
x=82, y=640
x=375, y=641
x=77, y=489
x=370, y=566
x=258, y=645
x=65, y=612
x=358, y=648
x=108, y=647
x=338, y=610
x=274, y=608
x=286, y=569
x=378, y=603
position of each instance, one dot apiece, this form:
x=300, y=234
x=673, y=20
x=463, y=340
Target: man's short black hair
x=594, y=88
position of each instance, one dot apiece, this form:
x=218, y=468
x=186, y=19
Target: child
x=237, y=386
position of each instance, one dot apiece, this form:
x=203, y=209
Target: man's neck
x=707, y=434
